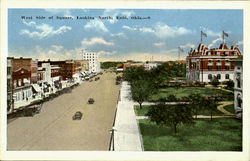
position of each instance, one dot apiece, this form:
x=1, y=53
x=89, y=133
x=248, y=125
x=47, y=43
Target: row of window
x=218, y=67
x=218, y=53
x=227, y=76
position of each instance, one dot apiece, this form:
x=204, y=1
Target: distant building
x=94, y=64
x=9, y=84
x=83, y=65
x=238, y=86
x=34, y=71
x=203, y=64
x=151, y=65
x=67, y=68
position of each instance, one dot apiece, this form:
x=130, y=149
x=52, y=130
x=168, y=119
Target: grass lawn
x=145, y=109
x=186, y=91
x=230, y=108
x=219, y=135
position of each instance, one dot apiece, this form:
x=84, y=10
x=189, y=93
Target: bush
x=215, y=82
x=230, y=84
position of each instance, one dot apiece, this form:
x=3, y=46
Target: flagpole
x=223, y=37
x=201, y=37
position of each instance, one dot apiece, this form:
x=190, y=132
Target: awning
x=36, y=87
x=56, y=78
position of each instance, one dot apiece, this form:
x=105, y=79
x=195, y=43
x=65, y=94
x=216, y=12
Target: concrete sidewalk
x=127, y=136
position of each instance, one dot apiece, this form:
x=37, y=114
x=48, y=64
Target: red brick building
x=203, y=64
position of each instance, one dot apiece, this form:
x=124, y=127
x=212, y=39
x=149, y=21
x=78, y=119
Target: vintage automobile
x=77, y=116
x=91, y=101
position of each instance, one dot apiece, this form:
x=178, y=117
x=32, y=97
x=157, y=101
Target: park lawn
x=186, y=91
x=224, y=134
x=230, y=108
x=145, y=109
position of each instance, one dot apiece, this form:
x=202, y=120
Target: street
x=54, y=129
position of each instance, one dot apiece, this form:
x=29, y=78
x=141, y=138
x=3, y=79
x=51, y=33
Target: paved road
x=54, y=129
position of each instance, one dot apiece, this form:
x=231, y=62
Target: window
x=218, y=67
x=226, y=53
x=8, y=82
x=19, y=82
x=238, y=80
x=239, y=101
x=227, y=67
x=8, y=70
x=227, y=76
x=218, y=53
x=210, y=76
x=235, y=53
x=218, y=76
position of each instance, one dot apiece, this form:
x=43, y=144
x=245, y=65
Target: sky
x=156, y=37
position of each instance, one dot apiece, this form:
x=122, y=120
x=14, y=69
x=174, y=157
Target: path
x=127, y=136
x=220, y=108
x=223, y=104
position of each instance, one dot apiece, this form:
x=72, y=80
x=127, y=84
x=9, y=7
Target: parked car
x=91, y=101
x=77, y=116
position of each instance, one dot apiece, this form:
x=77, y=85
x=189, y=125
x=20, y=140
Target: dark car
x=77, y=116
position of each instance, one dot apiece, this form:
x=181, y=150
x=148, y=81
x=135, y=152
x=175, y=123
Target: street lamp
x=112, y=136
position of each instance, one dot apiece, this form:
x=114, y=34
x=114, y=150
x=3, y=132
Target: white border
x=92, y=155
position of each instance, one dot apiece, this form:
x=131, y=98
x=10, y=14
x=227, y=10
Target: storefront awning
x=36, y=87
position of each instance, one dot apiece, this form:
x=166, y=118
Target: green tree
x=196, y=103
x=170, y=115
x=210, y=103
x=215, y=82
x=141, y=90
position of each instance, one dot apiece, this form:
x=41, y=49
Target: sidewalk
x=127, y=135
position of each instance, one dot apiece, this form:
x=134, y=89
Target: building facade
x=66, y=68
x=34, y=71
x=94, y=64
x=203, y=64
x=238, y=87
x=9, y=84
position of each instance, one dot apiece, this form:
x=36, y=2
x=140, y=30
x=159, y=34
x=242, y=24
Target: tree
x=230, y=84
x=210, y=103
x=141, y=90
x=170, y=115
x=215, y=82
x=196, y=102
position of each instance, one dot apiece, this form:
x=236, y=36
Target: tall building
x=238, y=86
x=92, y=58
x=203, y=64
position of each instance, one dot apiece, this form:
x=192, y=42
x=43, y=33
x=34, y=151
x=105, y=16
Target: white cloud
x=146, y=29
x=102, y=53
x=96, y=24
x=210, y=32
x=45, y=30
x=215, y=42
x=161, y=30
x=113, y=13
x=159, y=44
x=188, y=45
x=96, y=40
x=129, y=28
x=239, y=43
x=65, y=12
x=119, y=34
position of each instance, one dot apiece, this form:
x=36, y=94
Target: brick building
x=67, y=68
x=203, y=64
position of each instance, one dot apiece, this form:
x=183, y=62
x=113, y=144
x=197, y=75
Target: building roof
x=240, y=58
